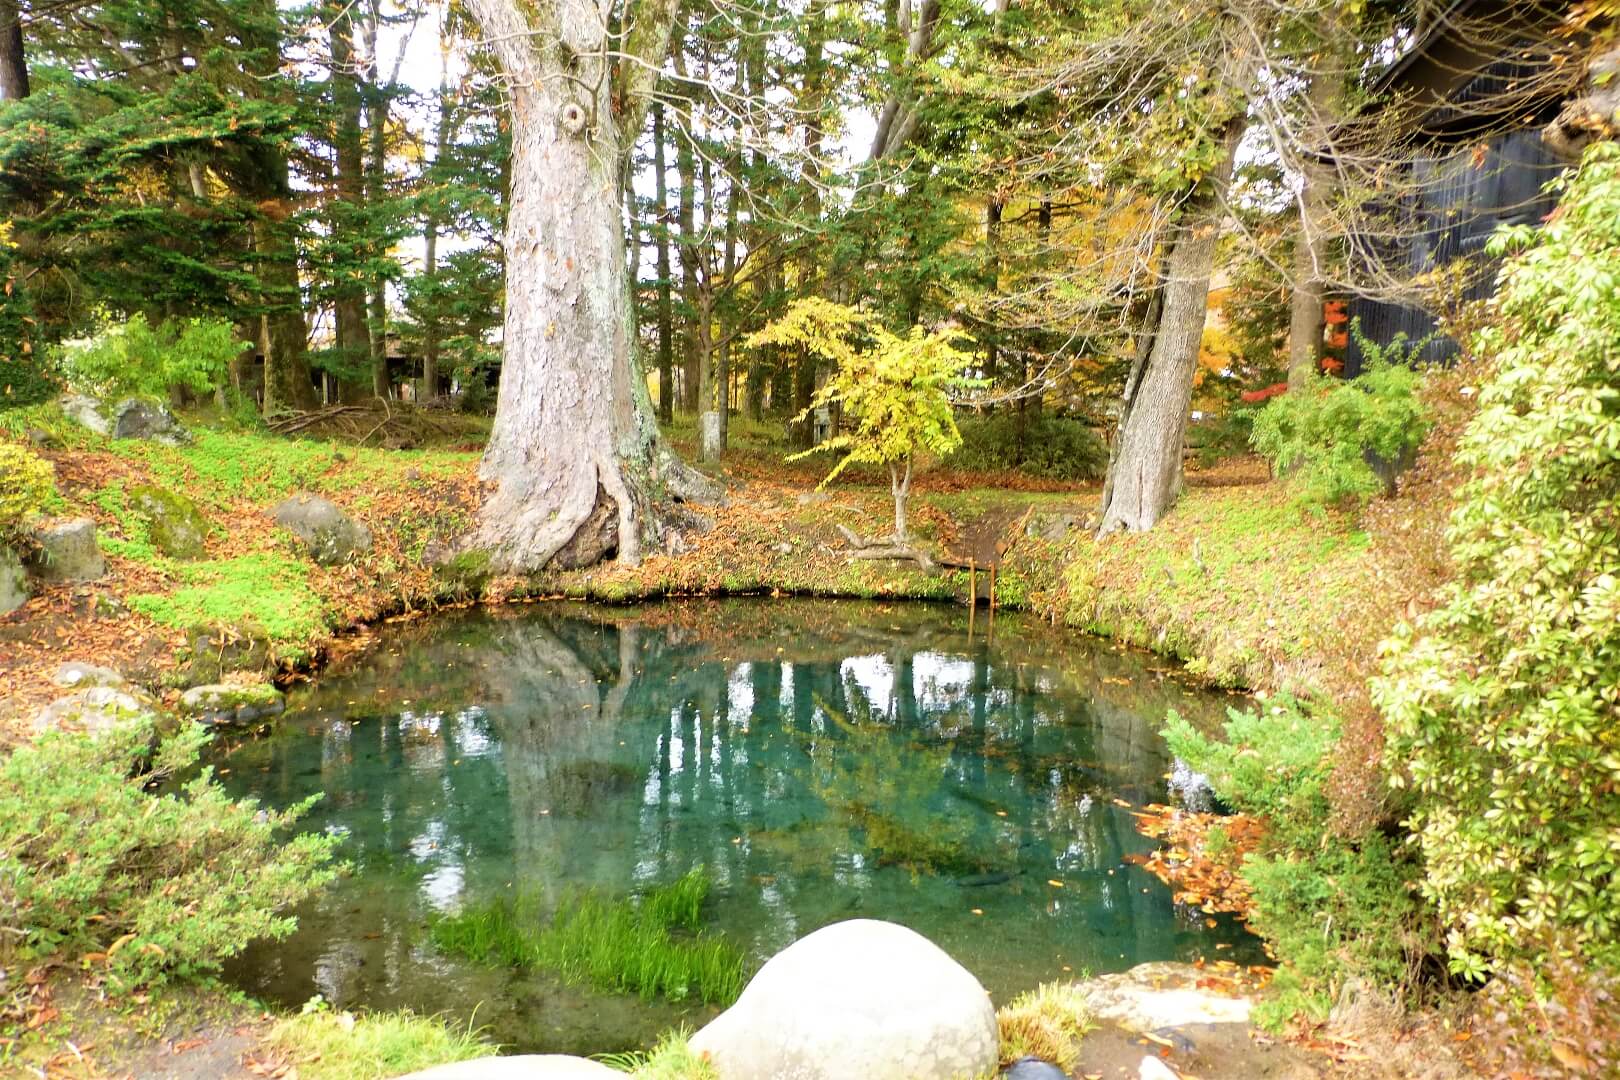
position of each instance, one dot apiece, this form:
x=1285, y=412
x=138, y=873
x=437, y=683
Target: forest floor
x=1241, y=583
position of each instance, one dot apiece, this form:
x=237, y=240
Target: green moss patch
x=264, y=594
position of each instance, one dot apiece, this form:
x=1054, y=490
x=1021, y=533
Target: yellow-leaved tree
x=895, y=390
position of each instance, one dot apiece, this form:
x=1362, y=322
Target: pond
x=822, y=760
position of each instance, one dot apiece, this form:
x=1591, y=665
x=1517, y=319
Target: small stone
x=42, y=439
x=226, y=704
x=521, y=1067
x=1033, y=1068
x=784, y=548
x=67, y=552
x=81, y=673
x=1161, y=995
x=328, y=534
x=14, y=590
x=812, y=498
x=1052, y=526
x=1154, y=1069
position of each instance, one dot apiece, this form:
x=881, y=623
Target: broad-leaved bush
x=1051, y=447
x=895, y=390
x=145, y=885
x=1322, y=435
x=140, y=359
x=1503, y=704
x=26, y=482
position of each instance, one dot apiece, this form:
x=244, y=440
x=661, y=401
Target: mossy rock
x=466, y=572
x=176, y=526
x=220, y=703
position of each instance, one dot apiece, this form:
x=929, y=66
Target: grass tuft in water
x=1046, y=1023
x=654, y=948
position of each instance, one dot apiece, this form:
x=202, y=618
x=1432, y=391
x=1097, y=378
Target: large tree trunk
x=353, y=340
x=574, y=451
x=1305, y=315
x=1144, y=476
x=13, y=56
x=666, y=362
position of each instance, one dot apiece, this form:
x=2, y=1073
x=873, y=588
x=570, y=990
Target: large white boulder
x=520, y=1067
x=856, y=999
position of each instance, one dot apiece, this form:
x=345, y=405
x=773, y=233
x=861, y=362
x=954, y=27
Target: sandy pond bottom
x=824, y=761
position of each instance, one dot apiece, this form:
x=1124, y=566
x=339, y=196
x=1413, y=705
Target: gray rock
x=1192, y=788
x=81, y=674
x=175, y=524
x=856, y=999
x=67, y=552
x=221, y=703
x=95, y=711
x=330, y=535
x=86, y=412
x=1162, y=995
x=1154, y=1069
x=14, y=591
x=133, y=418
x=813, y=498
x=521, y=1067
x=1053, y=526
x=1033, y=1068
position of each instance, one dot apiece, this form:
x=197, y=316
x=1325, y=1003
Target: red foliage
x=1265, y=393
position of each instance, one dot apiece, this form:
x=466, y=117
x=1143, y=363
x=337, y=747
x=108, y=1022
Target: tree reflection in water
x=824, y=760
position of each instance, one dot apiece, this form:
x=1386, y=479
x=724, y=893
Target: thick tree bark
x=574, y=450
x=686, y=169
x=13, y=54
x=353, y=340
x=666, y=345
x=1305, y=315
x=1144, y=476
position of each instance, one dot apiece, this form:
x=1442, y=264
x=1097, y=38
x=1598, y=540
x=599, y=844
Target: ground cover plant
x=142, y=886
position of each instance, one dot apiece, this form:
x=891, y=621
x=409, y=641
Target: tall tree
x=666, y=365
x=13, y=54
x=575, y=452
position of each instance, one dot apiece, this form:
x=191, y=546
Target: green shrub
x=615, y=945
x=1274, y=761
x=26, y=482
x=141, y=359
x=1504, y=703
x=1331, y=908
x=149, y=885
x=1320, y=435
x=1051, y=447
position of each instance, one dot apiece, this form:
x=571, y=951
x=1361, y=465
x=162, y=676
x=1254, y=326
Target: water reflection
x=823, y=760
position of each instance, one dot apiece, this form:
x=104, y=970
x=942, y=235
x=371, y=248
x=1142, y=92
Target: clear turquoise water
x=824, y=760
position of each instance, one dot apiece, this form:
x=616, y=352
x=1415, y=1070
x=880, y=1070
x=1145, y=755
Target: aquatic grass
x=1047, y=1023
x=501, y=933
x=616, y=945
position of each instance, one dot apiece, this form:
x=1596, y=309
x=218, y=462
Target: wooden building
x=1474, y=112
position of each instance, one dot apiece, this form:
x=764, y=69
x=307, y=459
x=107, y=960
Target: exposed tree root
x=885, y=548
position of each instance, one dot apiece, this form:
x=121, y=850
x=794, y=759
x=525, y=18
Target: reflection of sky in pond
x=824, y=761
